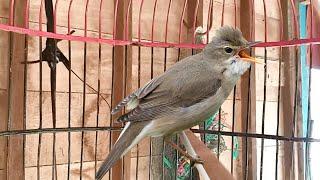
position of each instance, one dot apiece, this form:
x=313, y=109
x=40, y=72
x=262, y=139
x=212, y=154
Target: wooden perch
x=192, y=152
x=211, y=162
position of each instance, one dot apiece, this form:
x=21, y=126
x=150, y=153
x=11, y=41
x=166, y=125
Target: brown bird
x=185, y=95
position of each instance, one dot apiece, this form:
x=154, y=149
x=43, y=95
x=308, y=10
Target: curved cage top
x=55, y=117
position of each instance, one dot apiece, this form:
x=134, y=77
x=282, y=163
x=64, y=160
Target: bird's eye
x=228, y=50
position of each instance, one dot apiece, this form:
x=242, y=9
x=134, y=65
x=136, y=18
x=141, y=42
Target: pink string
x=33, y=32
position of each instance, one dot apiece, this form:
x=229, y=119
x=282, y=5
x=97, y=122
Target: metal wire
x=139, y=39
x=233, y=100
x=307, y=145
x=219, y=112
x=264, y=88
x=25, y=77
x=279, y=94
x=256, y=135
x=70, y=89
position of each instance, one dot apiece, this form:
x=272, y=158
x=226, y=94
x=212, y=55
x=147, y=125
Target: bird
x=188, y=93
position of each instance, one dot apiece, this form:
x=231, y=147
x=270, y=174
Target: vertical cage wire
x=279, y=94
x=140, y=41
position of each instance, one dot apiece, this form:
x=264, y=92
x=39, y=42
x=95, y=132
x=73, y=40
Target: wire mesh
x=56, y=118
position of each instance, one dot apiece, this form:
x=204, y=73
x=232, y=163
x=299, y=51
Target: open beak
x=244, y=56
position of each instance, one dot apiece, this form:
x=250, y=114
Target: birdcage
x=55, y=117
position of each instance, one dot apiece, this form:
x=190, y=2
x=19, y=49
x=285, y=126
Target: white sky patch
x=315, y=116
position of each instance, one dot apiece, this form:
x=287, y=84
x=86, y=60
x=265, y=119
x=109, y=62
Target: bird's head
x=227, y=50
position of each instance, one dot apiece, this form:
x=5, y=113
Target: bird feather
x=162, y=96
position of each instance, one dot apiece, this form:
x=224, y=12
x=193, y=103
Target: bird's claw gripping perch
x=193, y=160
x=197, y=160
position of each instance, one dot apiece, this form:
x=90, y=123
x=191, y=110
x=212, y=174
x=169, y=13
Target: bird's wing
x=132, y=100
x=179, y=88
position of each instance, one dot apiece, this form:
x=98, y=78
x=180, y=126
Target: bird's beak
x=244, y=56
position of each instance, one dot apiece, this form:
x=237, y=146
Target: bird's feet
x=194, y=161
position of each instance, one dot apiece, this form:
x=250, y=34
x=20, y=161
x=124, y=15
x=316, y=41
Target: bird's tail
x=129, y=137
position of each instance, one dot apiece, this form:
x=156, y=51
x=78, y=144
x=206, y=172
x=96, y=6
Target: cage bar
x=109, y=48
